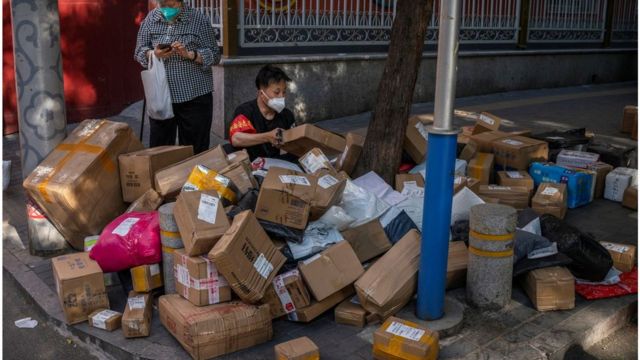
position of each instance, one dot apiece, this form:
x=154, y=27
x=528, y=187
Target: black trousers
x=191, y=119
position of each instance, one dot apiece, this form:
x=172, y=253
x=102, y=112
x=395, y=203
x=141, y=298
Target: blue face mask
x=169, y=13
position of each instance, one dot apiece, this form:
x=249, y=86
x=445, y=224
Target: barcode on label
x=294, y=179
x=327, y=181
x=208, y=208
x=514, y=174
x=136, y=302
x=405, y=331
x=125, y=226
x=263, y=266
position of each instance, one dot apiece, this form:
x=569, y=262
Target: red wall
x=100, y=76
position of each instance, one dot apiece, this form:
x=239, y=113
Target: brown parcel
x=169, y=181
x=516, y=178
x=551, y=199
x=468, y=152
x=285, y=198
x=484, y=141
x=247, y=258
x=457, y=264
x=78, y=185
x=240, y=175
x=459, y=182
x=516, y=196
x=518, y=152
x=481, y=168
x=347, y=161
x=629, y=116
x=317, y=308
x=137, y=169
x=301, y=348
x=314, y=161
x=623, y=255
x=486, y=122
x=390, y=282
x=239, y=156
x=198, y=280
x=149, y=201
x=80, y=286
x=146, y=277
x=551, y=288
x=286, y=293
x=213, y=330
x=331, y=270
x=404, y=179
x=601, y=169
x=136, y=320
x=303, y=138
x=350, y=313
x=473, y=185
x=328, y=192
x=105, y=319
x=367, y=240
x=630, y=197
x=201, y=220
x=415, y=139
x=402, y=339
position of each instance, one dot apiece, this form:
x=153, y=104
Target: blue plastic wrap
x=580, y=184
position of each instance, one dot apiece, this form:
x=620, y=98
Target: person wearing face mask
x=257, y=125
x=183, y=39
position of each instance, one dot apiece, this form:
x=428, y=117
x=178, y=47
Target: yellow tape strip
x=493, y=254
x=167, y=249
x=505, y=237
x=170, y=234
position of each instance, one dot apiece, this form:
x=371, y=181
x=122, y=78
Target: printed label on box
x=311, y=259
x=100, y=319
x=125, y=226
x=514, y=175
x=327, y=181
x=615, y=247
x=283, y=294
x=154, y=269
x=486, y=119
x=549, y=191
x=312, y=163
x=294, y=179
x=208, y=208
x=413, y=183
x=136, y=302
x=512, y=142
x=405, y=331
x=263, y=266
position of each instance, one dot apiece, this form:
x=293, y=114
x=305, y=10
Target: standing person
x=183, y=38
x=257, y=123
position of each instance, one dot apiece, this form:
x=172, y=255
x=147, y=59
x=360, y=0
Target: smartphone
x=164, y=46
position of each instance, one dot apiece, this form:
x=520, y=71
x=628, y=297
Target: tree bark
x=385, y=136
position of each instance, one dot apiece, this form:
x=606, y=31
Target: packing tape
x=505, y=237
x=139, y=278
x=395, y=345
x=170, y=234
x=212, y=273
x=493, y=254
x=107, y=163
x=168, y=250
x=283, y=294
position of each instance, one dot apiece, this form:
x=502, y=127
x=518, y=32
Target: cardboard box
x=601, y=169
x=201, y=220
x=517, y=152
x=247, y=258
x=484, y=141
x=516, y=196
x=415, y=139
x=301, y=348
x=285, y=198
x=481, y=168
x=314, y=161
x=317, y=308
x=198, y=280
x=239, y=156
x=203, y=178
x=486, y=122
x=136, y=320
x=351, y=313
x=402, y=339
x=240, y=175
x=412, y=179
x=577, y=159
x=367, y=240
x=551, y=199
x=137, y=169
x=630, y=197
x=79, y=171
x=328, y=193
x=457, y=262
x=146, y=277
x=629, y=118
x=349, y=158
x=390, y=282
x=80, y=286
x=551, y=288
x=169, y=181
x=623, y=255
x=468, y=152
x=459, y=182
x=105, y=319
x=149, y=201
x=580, y=184
x=516, y=178
x=286, y=293
x=214, y=330
x=617, y=181
x=473, y=185
x=300, y=139
x=331, y=270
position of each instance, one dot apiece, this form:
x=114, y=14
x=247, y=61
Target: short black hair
x=269, y=74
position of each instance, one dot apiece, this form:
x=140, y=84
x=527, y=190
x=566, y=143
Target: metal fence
x=625, y=21
x=567, y=21
x=213, y=10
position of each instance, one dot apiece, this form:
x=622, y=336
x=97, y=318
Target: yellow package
x=203, y=178
x=401, y=339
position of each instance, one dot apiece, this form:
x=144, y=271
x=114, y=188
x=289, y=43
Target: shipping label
x=125, y=226
x=283, y=294
x=208, y=208
x=514, y=175
x=263, y=266
x=295, y=180
x=615, y=247
x=154, y=269
x=405, y=331
x=550, y=191
x=136, y=302
x=100, y=319
x=512, y=142
x=327, y=181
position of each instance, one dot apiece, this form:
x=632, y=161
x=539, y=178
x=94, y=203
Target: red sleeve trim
x=240, y=125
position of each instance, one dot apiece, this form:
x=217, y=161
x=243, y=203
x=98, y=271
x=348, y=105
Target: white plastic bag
x=317, y=237
x=361, y=205
x=156, y=90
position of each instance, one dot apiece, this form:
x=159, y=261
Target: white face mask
x=277, y=104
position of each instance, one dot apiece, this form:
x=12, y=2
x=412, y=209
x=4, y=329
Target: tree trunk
x=383, y=146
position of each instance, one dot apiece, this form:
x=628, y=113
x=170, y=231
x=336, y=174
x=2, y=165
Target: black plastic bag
x=590, y=260
x=526, y=242
x=399, y=227
x=614, y=155
x=525, y=265
x=278, y=231
x=247, y=202
x=460, y=231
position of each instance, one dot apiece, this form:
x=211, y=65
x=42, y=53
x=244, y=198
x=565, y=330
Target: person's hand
x=181, y=50
x=163, y=53
x=273, y=138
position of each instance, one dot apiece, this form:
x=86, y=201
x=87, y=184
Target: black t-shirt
x=259, y=124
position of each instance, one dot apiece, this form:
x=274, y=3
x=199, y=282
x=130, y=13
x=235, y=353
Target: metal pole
x=440, y=169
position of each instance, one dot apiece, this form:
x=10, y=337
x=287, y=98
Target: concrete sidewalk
x=517, y=332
